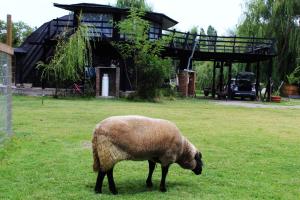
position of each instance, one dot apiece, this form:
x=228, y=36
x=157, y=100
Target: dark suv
x=243, y=86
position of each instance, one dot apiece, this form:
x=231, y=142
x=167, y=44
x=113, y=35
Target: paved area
x=254, y=105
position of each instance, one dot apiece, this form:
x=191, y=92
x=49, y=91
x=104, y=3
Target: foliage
x=21, y=31
x=204, y=74
x=294, y=77
x=212, y=36
x=72, y=54
x=50, y=157
x=148, y=70
x=139, y=4
x=279, y=20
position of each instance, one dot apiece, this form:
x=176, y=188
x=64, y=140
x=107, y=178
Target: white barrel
x=105, y=85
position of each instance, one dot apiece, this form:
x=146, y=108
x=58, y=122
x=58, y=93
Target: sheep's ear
x=198, y=156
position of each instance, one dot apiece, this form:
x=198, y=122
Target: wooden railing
x=220, y=44
x=178, y=40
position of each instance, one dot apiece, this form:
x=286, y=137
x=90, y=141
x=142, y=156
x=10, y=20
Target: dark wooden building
x=185, y=47
x=40, y=45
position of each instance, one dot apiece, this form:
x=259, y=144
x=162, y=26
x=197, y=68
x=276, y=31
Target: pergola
x=223, y=52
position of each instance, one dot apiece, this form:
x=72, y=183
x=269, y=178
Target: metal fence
x=5, y=96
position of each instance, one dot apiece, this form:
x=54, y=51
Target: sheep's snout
x=199, y=164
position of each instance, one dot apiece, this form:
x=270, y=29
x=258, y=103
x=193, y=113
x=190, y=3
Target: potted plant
x=292, y=86
x=276, y=97
x=206, y=91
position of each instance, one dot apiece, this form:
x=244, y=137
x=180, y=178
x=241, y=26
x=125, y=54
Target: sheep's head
x=190, y=158
x=198, y=169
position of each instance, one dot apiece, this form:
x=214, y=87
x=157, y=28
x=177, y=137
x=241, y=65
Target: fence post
x=8, y=97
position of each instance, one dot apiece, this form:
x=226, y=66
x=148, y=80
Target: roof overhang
x=6, y=49
x=160, y=18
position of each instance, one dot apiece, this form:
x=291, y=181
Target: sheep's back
x=142, y=137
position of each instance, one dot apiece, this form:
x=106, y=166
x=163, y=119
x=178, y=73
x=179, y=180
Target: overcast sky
x=221, y=14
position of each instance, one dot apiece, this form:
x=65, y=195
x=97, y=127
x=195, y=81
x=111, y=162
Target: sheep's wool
x=109, y=154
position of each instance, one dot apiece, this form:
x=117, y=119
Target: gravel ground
x=254, y=105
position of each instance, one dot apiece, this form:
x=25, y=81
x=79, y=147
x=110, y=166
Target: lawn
x=248, y=153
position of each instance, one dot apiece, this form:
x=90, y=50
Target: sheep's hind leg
x=151, y=169
x=111, y=182
x=164, y=170
x=98, y=187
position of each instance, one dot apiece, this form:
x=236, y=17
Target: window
x=154, y=31
x=101, y=24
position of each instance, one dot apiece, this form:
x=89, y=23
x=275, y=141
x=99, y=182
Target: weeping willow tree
x=278, y=19
x=140, y=4
x=147, y=70
x=72, y=54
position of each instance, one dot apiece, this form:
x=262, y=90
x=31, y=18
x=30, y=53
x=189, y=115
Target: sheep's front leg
x=99, y=182
x=111, y=182
x=151, y=169
x=164, y=170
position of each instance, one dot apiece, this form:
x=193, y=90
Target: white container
x=105, y=85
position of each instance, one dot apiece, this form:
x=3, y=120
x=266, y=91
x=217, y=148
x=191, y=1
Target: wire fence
x=5, y=96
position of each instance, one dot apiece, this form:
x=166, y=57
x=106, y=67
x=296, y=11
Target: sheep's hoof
x=98, y=191
x=163, y=189
x=115, y=192
x=149, y=184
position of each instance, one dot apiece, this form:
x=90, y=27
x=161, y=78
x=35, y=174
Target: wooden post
x=98, y=82
x=117, y=82
x=116, y=32
x=186, y=40
x=248, y=66
x=213, y=91
x=9, y=31
x=221, y=77
x=270, y=79
x=257, y=86
x=76, y=19
x=229, y=79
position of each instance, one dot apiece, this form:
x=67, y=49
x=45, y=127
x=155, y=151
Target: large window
x=101, y=24
x=154, y=32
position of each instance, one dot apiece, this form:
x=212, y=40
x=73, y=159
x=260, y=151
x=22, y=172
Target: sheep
x=141, y=138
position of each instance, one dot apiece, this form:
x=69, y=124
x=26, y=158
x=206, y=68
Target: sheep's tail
x=96, y=165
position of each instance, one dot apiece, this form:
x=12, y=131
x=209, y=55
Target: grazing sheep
x=141, y=138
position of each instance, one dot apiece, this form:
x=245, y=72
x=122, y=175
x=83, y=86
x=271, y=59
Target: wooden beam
x=97, y=81
x=213, y=91
x=229, y=79
x=221, y=77
x=269, y=89
x=257, y=86
x=186, y=40
x=6, y=49
x=9, y=31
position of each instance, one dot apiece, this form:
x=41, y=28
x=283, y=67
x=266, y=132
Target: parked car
x=243, y=86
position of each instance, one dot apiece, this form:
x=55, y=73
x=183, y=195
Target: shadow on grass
x=136, y=187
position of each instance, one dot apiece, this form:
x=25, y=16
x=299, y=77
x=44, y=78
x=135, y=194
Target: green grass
x=248, y=153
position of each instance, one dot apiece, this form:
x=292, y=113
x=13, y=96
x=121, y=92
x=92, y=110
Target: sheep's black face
x=199, y=164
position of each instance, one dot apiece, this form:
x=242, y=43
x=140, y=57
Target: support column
x=257, y=86
x=118, y=82
x=213, y=91
x=97, y=82
x=248, y=67
x=269, y=89
x=229, y=79
x=9, y=31
x=192, y=84
x=183, y=78
x=221, y=77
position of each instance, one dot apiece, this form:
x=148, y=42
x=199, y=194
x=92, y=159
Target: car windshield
x=246, y=76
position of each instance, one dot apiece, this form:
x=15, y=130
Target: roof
x=6, y=49
x=160, y=18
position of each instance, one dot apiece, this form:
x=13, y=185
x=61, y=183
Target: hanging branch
x=72, y=54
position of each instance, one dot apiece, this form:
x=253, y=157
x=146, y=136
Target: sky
x=223, y=15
